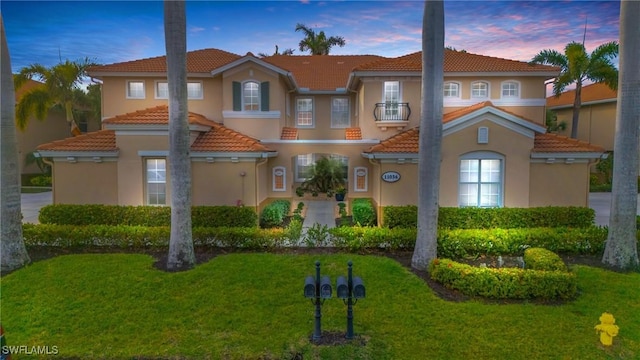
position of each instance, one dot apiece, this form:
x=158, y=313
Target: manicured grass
x=250, y=306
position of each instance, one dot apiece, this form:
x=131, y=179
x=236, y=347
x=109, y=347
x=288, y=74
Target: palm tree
x=621, y=250
x=61, y=88
x=576, y=66
x=318, y=44
x=430, y=147
x=181, y=253
x=13, y=254
x=285, y=52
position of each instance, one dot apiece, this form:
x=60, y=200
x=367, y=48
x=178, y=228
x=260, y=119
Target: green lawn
x=250, y=306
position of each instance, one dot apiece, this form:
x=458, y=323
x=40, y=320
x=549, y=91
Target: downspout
x=93, y=80
x=50, y=163
x=256, y=182
x=377, y=163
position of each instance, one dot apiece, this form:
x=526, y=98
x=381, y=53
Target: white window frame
x=448, y=86
x=356, y=170
x=518, y=89
x=200, y=96
x=244, y=98
x=128, y=92
x=298, y=112
x=487, y=90
x=481, y=156
x=147, y=181
x=334, y=123
x=393, y=105
x=274, y=174
x=155, y=89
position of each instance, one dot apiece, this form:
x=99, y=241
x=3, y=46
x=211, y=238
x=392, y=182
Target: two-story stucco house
x=258, y=123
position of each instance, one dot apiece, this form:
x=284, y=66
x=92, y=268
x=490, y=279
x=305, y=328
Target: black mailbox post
x=317, y=289
x=350, y=290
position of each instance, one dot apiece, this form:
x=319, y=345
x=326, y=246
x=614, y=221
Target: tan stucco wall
x=559, y=184
x=53, y=127
x=85, y=182
x=115, y=102
x=131, y=170
x=222, y=183
x=596, y=124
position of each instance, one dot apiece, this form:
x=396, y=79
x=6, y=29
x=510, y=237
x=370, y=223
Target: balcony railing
x=392, y=112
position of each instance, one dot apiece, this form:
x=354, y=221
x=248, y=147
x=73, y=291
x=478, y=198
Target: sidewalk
x=320, y=212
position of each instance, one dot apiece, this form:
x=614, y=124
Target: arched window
x=451, y=90
x=481, y=179
x=251, y=96
x=279, y=174
x=480, y=89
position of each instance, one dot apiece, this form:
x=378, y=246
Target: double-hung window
x=304, y=112
x=480, y=89
x=156, y=181
x=340, y=112
x=251, y=96
x=510, y=89
x=451, y=90
x=135, y=90
x=481, y=183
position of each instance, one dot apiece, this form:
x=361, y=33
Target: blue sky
x=114, y=31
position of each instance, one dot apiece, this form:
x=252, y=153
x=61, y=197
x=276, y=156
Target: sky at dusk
x=114, y=31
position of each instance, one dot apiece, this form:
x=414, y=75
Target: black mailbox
x=325, y=287
x=358, y=288
x=309, y=287
x=342, y=288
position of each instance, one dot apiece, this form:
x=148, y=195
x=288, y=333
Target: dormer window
x=451, y=90
x=480, y=89
x=510, y=89
x=251, y=96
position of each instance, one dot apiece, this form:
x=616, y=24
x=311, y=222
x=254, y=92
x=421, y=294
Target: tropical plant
x=285, y=52
x=551, y=122
x=61, y=88
x=621, y=250
x=13, y=254
x=318, y=43
x=577, y=66
x=181, y=252
x=430, y=141
x=326, y=175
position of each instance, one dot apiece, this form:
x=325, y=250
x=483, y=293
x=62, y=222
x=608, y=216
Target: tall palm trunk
x=577, y=103
x=13, y=253
x=430, y=134
x=621, y=249
x=181, y=254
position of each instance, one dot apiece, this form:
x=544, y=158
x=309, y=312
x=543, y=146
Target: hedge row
x=363, y=213
x=504, y=283
x=486, y=218
x=201, y=216
x=141, y=237
x=543, y=259
x=274, y=213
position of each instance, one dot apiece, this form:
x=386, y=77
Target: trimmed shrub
x=543, y=259
x=94, y=214
x=504, y=283
x=41, y=180
x=363, y=212
x=486, y=218
x=274, y=213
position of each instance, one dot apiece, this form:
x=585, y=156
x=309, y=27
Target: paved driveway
x=31, y=204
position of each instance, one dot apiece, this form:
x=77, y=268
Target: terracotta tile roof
x=320, y=72
x=28, y=85
x=199, y=61
x=289, y=133
x=591, y=92
x=103, y=140
x=222, y=139
x=353, y=133
x=158, y=115
x=450, y=116
x=404, y=142
x=456, y=61
x=555, y=143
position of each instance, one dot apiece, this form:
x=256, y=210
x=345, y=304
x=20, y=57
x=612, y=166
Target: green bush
x=274, y=213
x=363, y=212
x=94, y=214
x=485, y=218
x=41, y=180
x=543, y=259
x=504, y=283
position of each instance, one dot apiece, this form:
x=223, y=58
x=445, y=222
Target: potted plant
x=341, y=191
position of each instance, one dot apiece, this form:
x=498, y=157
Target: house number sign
x=390, y=176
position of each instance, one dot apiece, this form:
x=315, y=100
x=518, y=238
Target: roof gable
x=158, y=115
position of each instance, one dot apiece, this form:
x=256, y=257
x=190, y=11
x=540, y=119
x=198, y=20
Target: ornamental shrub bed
x=486, y=218
x=504, y=283
x=543, y=259
x=274, y=213
x=94, y=214
x=363, y=212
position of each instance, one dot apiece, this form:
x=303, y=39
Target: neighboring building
x=53, y=127
x=258, y=123
x=597, y=121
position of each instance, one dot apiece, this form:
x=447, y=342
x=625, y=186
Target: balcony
x=392, y=115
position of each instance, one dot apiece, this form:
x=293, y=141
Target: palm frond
x=550, y=57
x=35, y=102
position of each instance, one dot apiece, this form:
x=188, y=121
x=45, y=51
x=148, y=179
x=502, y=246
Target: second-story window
x=391, y=97
x=162, y=90
x=480, y=89
x=340, y=112
x=304, y=112
x=194, y=90
x=135, y=89
x=510, y=89
x=451, y=90
x=251, y=96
